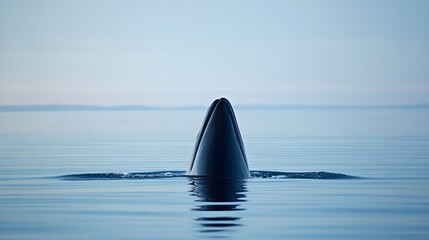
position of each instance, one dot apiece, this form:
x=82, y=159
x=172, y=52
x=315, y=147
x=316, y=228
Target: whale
x=219, y=149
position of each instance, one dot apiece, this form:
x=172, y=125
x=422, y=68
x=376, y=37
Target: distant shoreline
x=52, y=108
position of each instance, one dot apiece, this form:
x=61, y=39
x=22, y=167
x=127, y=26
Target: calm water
x=388, y=148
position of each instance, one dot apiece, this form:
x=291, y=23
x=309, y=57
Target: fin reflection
x=220, y=202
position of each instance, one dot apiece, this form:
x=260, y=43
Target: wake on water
x=178, y=174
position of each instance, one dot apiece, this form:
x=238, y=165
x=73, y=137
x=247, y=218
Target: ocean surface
x=385, y=150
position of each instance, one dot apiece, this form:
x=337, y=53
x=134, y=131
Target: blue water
x=386, y=150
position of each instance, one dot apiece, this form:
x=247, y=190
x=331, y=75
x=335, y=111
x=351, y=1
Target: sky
x=181, y=53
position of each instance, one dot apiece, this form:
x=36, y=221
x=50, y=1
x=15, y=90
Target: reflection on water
x=218, y=200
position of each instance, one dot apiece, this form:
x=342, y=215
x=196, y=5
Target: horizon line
x=84, y=107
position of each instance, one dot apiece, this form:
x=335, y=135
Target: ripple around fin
x=119, y=175
x=175, y=174
x=299, y=175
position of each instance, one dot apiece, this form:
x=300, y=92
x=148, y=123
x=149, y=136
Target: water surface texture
x=387, y=150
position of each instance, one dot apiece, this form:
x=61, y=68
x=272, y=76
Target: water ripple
x=175, y=174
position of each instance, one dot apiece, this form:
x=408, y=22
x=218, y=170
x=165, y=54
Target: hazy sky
x=171, y=53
